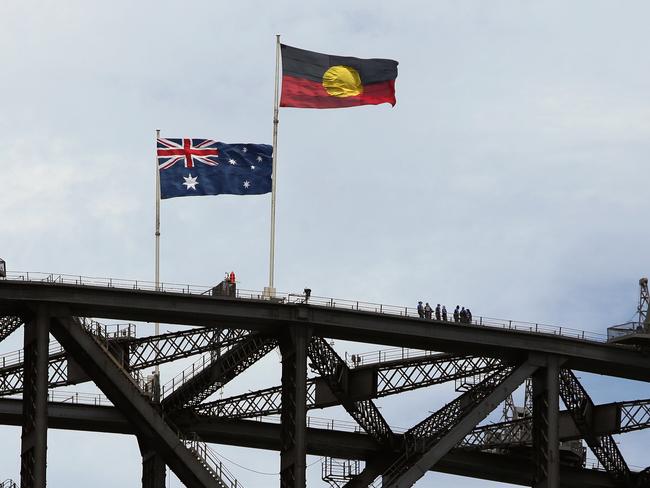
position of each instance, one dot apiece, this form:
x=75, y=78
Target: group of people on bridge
x=461, y=315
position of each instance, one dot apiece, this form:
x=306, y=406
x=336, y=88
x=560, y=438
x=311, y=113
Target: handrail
x=185, y=375
x=209, y=458
x=293, y=299
x=381, y=356
x=76, y=397
x=105, y=331
x=17, y=357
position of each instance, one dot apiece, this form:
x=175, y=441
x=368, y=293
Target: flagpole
x=157, y=236
x=271, y=289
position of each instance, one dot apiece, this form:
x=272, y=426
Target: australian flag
x=204, y=167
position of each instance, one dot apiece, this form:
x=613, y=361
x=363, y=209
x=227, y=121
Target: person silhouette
x=420, y=310
x=428, y=311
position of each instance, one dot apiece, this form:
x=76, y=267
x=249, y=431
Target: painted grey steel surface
x=268, y=316
x=320, y=442
x=402, y=459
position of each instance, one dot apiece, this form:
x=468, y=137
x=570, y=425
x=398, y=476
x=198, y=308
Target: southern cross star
x=252, y=167
x=259, y=159
x=247, y=184
x=244, y=149
x=191, y=181
x=232, y=161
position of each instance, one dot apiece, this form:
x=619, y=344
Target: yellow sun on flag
x=342, y=81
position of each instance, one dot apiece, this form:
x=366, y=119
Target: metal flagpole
x=270, y=290
x=157, y=234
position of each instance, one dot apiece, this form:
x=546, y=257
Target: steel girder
x=409, y=374
x=11, y=377
x=33, y=452
x=143, y=352
x=320, y=442
x=253, y=404
x=124, y=393
x=607, y=419
x=427, y=442
x=154, y=470
x=150, y=351
x=220, y=371
x=432, y=438
x=335, y=372
x=635, y=415
x=269, y=316
x=387, y=379
x=9, y=324
x=546, y=429
x=580, y=406
x=500, y=435
x=293, y=440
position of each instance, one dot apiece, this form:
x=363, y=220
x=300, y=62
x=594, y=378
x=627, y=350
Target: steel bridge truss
x=90, y=353
x=366, y=382
x=133, y=353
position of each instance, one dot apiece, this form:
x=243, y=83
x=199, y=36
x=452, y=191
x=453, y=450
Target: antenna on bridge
x=636, y=332
x=644, y=300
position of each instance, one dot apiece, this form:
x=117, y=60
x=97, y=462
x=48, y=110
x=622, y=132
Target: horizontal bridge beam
x=368, y=327
x=320, y=442
x=606, y=419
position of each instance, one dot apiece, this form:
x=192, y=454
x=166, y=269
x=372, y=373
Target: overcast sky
x=511, y=176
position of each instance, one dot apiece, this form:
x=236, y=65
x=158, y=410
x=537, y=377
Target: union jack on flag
x=190, y=167
x=190, y=151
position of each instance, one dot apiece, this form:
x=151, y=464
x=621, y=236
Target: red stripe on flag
x=302, y=93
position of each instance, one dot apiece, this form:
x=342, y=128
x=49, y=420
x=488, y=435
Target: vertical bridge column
x=546, y=437
x=33, y=451
x=154, y=469
x=293, y=415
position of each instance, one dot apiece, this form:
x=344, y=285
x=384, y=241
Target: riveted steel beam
x=33, y=457
x=580, y=406
x=336, y=373
x=116, y=383
x=293, y=442
x=320, y=442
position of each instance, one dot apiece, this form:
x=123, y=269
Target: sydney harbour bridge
x=80, y=329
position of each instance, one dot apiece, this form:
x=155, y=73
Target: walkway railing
x=291, y=298
x=15, y=358
x=386, y=355
x=76, y=397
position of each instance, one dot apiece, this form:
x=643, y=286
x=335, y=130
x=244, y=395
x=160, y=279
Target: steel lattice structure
x=176, y=425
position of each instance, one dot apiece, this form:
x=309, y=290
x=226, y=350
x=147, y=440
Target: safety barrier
x=293, y=298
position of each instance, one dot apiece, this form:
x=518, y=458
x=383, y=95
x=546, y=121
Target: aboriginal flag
x=315, y=80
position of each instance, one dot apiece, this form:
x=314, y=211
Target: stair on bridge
x=8, y=484
x=209, y=460
x=337, y=472
x=203, y=381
